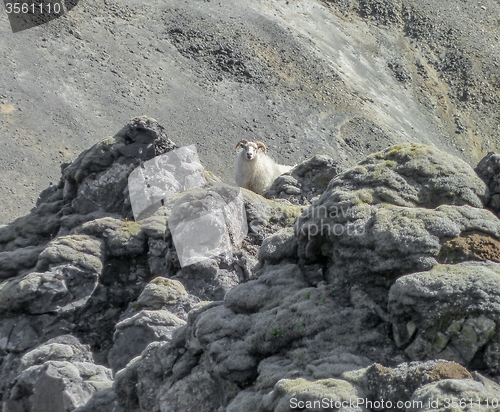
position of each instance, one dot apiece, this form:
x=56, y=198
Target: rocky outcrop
x=450, y=312
x=94, y=185
x=111, y=282
x=75, y=262
x=383, y=289
x=488, y=169
x=391, y=214
x=58, y=376
x=305, y=181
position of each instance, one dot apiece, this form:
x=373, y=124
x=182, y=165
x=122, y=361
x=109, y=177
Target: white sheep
x=255, y=170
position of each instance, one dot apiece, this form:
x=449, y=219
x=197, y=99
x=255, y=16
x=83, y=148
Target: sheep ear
x=241, y=142
x=262, y=146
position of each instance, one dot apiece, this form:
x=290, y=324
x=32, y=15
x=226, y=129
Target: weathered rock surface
x=58, y=376
x=161, y=293
x=94, y=184
x=91, y=279
x=320, y=395
x=450, y=312
x=133, y=334
x=488, y=169
x=106, y=316
x=397, y=385
x=391, y=214
x=275, y=327
x=470, y=246
x=465, y=395
x=305, y=181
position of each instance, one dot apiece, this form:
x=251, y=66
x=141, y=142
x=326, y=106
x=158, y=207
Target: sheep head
x=251, y=148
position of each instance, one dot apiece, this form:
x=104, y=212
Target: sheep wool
x=255, y=170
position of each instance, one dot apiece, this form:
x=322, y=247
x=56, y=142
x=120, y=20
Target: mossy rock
x=160, y=292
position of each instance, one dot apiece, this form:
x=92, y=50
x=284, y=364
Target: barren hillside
x=343, y=78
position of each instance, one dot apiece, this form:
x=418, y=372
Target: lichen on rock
x=328, y=295
x=391, y=214
x=452, y=309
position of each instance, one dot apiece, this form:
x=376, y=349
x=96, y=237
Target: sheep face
x=250, y=149
x=250, y=152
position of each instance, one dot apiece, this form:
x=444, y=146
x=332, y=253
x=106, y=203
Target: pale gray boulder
x=450, y=312
x=46, y=301
x=319, y=395
x=62, y=348
x=57, y=386
x=60, y=291
x=58, y=376
x=161, y=293
x=121, y=238
x=413, y=175
x=133, y=334
x=83, y=251
x=452, y=394
x=279, y=247
x=391, y=214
